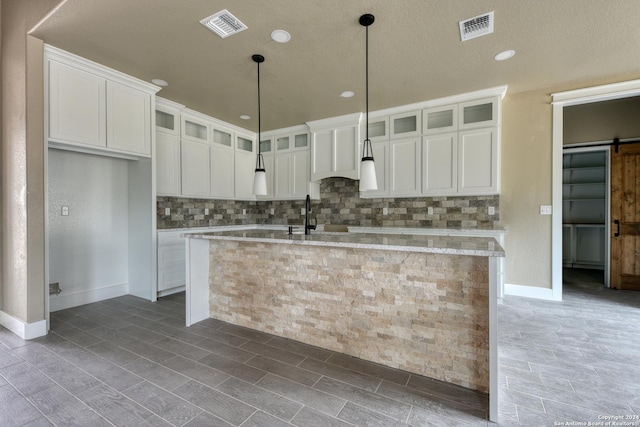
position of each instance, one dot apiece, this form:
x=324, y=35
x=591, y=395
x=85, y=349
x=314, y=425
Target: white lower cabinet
x=405, y=167
x=222, y=173
x=282, y=168
x=195, y=169
x=171, y=262
x=440, y=168
x=478, y=160
x=168, y=180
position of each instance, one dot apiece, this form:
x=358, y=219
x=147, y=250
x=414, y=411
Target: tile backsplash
x=339, y=203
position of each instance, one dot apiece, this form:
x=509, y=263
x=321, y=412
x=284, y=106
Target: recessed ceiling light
x=347, y=94
x=160, y=82
x=280, y=36
x=504, y=55
x=245, y=117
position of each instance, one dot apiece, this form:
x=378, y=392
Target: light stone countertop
x=437, y=244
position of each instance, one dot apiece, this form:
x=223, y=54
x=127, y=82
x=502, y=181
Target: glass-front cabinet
x=479, y=113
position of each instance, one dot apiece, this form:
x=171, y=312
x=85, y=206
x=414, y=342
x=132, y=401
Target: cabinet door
x=76, y=106
x=283, y=168
x=222, y=173
x=381, y=159
x=128, y=119
x=440, y=119
x=245, y=166
x=479, y=113
x=478, y=161
x=167, y=164
x=439, y=164
x=335, y=153
x=167, y=121
x=406, y=124
x=322, y=148
x=195, y=169
x=195, y=129
x=405, y=162
x=300, y=174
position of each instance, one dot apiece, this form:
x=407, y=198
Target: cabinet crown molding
x=163, y=102
x=59, y=55
x=336, y=122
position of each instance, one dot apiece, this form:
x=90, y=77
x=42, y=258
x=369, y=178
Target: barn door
x=625, y=217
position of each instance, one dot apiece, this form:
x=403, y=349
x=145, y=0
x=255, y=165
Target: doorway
x=581, y=97
x=585, y=213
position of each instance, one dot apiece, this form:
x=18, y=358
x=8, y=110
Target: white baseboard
x=74, y=299
x=529, y=292
x=26, y=331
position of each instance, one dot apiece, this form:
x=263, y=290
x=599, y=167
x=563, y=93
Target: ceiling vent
x=223, y=24
x=477, y=26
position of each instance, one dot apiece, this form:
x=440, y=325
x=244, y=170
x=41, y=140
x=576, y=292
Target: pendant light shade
x=368, y=179
x=260, y=174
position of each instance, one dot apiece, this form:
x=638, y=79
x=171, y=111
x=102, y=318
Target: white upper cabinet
x=439, y=164
x=222, y=137
x=478, y=160
x=77, y=106
x=405, y=167
x=290, y=154
x=128, y=119
x=440, y=119
x=406, y=124
x=168, y=179
x=195, y=168
x=168, y=116
x=378, y=129
x=95, y=107
x=335, y=146
x=245, y=166
x=479, y=113
x=222, y=173
x=194, y=128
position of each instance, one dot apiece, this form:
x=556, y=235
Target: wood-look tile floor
x=129, y=362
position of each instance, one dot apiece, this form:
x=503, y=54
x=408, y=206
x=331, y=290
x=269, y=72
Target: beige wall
x=602, y=121
x=526, y=184
x=22, y=160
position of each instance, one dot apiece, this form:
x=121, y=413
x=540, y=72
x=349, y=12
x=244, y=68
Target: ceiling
x=415, y=50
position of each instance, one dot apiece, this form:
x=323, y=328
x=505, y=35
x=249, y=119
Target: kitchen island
x=421, y=303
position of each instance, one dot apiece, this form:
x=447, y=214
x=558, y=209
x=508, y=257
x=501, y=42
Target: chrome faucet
x=308, y=227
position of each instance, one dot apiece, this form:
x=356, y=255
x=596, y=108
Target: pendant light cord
x=366, y=73
x=259, y=109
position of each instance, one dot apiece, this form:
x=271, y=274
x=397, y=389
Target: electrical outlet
x=430, y=210
x=273, y=211
x=301, y=211
x=244, y=211
x=545, y=209
x=385, y=211
x=206, y=211
x=167, y=211
x=492, y=210
x=65, y=210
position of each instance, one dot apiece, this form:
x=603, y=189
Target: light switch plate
x=167, y=211
x=206, y=211
x=385, y=211
x=492, y=210
x=244, y=211
x=545, y=209
x=301, y=211
x=430, y=210
x=273, y=211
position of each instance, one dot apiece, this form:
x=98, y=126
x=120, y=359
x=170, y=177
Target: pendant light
x=367, y=166
x=260, y=175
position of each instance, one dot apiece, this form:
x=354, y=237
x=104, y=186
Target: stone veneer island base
x=416, y=303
